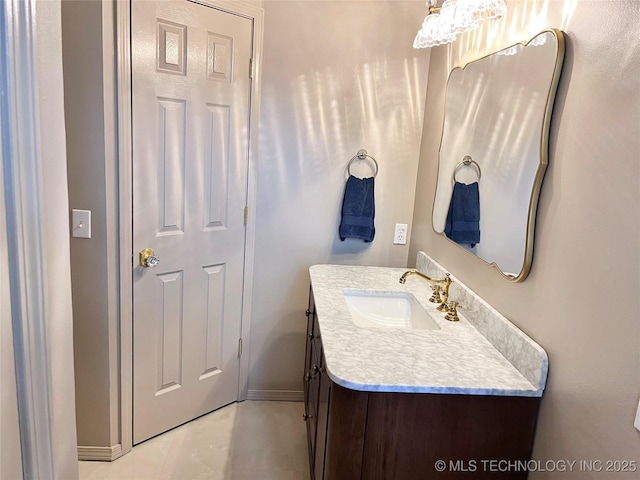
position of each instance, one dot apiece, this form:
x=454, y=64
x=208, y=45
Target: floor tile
x=251, y=440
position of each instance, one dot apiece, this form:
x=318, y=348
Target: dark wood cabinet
x=401, y=436
x=317, y=387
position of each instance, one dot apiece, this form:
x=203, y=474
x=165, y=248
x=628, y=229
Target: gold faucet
x=444, y=282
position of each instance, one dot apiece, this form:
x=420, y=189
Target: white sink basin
x=388, y=310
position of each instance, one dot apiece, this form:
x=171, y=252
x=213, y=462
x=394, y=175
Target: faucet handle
x=435, y=297
x=452, y=311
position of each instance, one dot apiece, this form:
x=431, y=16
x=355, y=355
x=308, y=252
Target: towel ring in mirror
x=362, y=155
x=466, y=161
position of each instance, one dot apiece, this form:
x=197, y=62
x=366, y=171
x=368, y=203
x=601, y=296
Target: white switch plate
x=637, y=422
x=81, y=223
x=400, y=235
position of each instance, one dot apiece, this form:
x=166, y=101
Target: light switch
x=637, y=422
x=81, y=223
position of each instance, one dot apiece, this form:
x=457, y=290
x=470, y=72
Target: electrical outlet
x=400, y=235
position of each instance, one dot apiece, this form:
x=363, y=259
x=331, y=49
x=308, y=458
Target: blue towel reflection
x=463, y=218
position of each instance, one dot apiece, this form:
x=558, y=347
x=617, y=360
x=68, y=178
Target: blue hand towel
x=463, y=218
x=358, y=209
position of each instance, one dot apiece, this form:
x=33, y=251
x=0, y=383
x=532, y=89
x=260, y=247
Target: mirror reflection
x=493, y=152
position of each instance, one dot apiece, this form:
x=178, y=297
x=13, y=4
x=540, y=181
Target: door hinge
x=252, y=68
x=246, y=215
x=239, y=347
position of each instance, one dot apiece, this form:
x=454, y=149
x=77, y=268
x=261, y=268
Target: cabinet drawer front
x=311, y=324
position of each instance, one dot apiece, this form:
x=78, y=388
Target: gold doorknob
x=148, y=258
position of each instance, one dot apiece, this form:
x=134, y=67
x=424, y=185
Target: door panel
x=215, y=315
x=191, y=100
x=171, y=131
x=170, y=348
x=217, y=166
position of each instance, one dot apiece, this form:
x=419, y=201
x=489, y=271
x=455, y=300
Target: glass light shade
x=508, y=51
x=433, y=33
x=458, y=16
x=487, y=9
x=455, y=17
x=538, y=41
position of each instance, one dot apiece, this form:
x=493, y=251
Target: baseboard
x=100, y=454
x=276, y=395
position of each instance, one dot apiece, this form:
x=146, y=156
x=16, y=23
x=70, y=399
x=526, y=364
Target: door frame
x=23, y=245
x=125, y=204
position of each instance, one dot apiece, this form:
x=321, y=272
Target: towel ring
x=466, y=161
x=361, y=155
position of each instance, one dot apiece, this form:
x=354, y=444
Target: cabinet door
x=311, y=309
x=311, y=381
x=324, y=396
x=312, y=418
x=344, y=445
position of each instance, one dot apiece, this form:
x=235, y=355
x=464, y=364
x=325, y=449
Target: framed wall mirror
x=494, y=151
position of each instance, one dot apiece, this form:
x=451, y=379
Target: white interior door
x=191, y=94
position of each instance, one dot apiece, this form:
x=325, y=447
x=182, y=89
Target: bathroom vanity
x=448, y=400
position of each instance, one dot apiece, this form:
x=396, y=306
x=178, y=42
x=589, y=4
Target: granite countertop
x=455, y=359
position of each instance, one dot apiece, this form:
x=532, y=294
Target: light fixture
x=443, y=24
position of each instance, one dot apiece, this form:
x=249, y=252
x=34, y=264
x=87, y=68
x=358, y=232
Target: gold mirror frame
x=542, y=166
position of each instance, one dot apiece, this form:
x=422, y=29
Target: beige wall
x=91, y=168
x=581, y=300
x=337, y=76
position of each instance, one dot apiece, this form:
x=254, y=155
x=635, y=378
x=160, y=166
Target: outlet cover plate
x=400, y=235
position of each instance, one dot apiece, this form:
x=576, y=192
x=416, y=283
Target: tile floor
x=251, y=440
